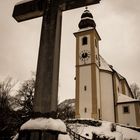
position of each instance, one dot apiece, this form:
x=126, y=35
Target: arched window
x=84, y=40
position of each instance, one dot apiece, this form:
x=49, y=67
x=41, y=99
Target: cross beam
x=35, y=8
x=72, y=4
x=46, y=88
x=28, y=10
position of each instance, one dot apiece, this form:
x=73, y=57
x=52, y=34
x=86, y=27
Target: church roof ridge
x=104, y=65
x=107, y=67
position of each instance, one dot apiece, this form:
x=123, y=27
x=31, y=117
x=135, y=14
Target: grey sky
x=118, y=24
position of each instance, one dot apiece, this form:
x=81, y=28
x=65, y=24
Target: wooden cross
x=46, y=88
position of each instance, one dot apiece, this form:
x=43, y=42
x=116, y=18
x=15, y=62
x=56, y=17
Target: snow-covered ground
x=121, y=133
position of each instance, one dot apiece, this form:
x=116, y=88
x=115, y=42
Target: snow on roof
x=23, y=1
x=104, y=65
x=120, y=76
x=84, y=29
x=124, y=98
x=44, y=124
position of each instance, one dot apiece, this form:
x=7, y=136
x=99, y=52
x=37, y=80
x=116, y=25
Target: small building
x=101, y=92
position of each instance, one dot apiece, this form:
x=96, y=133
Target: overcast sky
x=118, y=24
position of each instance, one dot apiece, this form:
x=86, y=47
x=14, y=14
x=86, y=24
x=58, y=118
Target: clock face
x=84, y=55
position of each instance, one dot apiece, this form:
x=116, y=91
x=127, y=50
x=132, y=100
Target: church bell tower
x=87, y=68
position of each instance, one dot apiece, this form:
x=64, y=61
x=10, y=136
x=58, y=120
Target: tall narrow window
x=85, y=88
x=84, y=41
x=85, y=109
x=99, y=111
x=118, y=89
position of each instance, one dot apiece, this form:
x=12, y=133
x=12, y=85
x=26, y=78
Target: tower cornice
x=86, y=30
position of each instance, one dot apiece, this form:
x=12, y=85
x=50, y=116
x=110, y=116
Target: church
x=101, y=92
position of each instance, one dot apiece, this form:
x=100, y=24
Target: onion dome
x=86, y=20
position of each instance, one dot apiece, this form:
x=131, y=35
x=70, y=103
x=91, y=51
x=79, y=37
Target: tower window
x=85, y=88
x=96, y=57
x=84, y=41
x=99, y=111
x=85, y=109
x=125, y=109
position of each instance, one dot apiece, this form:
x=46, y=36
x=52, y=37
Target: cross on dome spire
x=86, y=7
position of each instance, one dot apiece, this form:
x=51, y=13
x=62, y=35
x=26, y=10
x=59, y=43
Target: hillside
x=66, y=109
x=67, y=103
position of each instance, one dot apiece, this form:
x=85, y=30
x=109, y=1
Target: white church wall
x=85, y=105
x=127, y=118
x=107, y=99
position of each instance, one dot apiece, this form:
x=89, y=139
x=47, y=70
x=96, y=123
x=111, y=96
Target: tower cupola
x=86, y=20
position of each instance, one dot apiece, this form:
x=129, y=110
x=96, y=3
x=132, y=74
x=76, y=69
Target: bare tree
x=5, y=88
x=25, y=96
x=135, y=90
x=6, y=112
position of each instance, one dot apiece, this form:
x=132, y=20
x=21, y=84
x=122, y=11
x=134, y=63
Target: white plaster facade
x=85, y=102
x=127, y=118
x=107, y=99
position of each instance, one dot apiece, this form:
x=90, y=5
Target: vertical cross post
x=45, y=99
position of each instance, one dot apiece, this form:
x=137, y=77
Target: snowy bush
x=113, y=127
x=88, y=122
x=101, y=137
